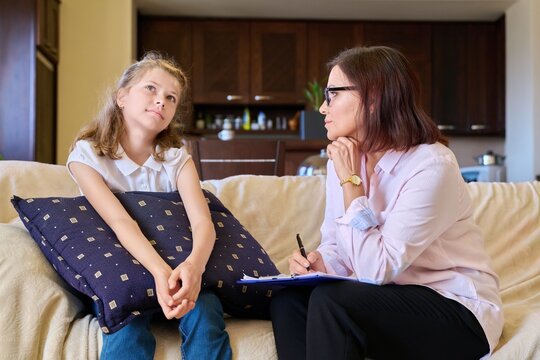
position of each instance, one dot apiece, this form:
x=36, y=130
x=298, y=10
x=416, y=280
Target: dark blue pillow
x=87, y=254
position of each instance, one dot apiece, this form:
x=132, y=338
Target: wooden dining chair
x=217, y=159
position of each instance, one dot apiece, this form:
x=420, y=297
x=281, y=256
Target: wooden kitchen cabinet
x=221, y=68
x=414, y=40
x=468, y=78
x=278, y=62
x=324, y=41
x=449, y=66
x=266, y=64
x=249, y=62
x=485, y=74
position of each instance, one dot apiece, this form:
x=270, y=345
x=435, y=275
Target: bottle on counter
x=261, y=120
x=246, y=125
x=238, y=122
x=269, y=124
x=200, y=123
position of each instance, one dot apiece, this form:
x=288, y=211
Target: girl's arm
x=126, y=230
x=189, y=273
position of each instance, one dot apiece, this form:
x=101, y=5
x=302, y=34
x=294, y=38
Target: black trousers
x=353, y=320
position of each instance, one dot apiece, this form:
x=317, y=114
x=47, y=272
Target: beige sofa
x=40, y=319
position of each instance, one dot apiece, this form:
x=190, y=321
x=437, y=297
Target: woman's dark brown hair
x=390, y=96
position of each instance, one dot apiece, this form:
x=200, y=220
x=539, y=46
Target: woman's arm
x=423, y=207
x=126, y=229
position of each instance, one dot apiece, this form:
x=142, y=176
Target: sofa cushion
x=87, y=254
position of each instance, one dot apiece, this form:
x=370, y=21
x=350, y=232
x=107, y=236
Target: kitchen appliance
x=484, y=173
x=489, y=158
x=490, y=168
x=314, y=165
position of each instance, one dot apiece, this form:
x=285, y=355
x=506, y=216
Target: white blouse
x=125, y=175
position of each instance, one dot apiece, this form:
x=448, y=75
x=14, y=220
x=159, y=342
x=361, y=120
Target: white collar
x=128, y=166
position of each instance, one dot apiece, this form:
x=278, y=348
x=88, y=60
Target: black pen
x=302, y=250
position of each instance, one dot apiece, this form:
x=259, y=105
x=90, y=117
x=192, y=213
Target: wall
x=523, y=90
x=96, y=44
x=466, y=148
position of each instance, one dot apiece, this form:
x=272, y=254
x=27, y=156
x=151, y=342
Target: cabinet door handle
x=234, y=97
x=446, y=127
x=262, y=97
x=478, y=127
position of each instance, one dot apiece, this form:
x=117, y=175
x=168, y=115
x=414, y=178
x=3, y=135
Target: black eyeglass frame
x=336, y=88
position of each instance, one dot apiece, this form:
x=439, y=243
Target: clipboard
x=313, y=278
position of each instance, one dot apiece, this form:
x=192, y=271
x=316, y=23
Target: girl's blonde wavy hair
x=107, y=128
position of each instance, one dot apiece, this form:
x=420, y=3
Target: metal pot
x=489, y=158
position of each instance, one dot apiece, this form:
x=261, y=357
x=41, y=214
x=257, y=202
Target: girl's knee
x=209, y=300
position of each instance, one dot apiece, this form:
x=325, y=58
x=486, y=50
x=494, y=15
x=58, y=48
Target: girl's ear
x=120, y=95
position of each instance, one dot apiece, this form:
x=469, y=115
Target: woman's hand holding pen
x=299, y=264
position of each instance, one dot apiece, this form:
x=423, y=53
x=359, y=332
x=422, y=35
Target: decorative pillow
x=87, y=254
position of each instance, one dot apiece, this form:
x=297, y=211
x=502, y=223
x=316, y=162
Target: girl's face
x=149, y=104
x=344, y=107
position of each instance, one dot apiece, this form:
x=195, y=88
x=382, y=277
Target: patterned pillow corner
x=87, y=254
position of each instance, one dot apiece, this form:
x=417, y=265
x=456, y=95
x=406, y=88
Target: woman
x=399, y=219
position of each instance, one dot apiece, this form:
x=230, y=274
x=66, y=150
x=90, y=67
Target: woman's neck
x=371, y=160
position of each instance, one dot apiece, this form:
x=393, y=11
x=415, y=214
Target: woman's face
x=344, y=109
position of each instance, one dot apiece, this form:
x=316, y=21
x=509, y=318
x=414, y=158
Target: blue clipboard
x=287, y=279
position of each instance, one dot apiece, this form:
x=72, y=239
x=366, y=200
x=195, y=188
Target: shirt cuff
x=359, y=215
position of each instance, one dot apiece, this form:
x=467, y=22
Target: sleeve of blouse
x=334, y=209
x=175, y=159
x=426, y=207
x=83, y=152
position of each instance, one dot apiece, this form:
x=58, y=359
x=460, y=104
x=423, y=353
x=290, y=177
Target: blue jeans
x=202, y=330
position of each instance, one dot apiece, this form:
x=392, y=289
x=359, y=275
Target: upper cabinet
x=485, y=79
x=248, y=62
x=468, y=78
x=450, y=77
x=221, y=69
x=460, y=65
x=278, y=62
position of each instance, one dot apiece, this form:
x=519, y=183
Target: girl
x=399, y=219
x=134, y=144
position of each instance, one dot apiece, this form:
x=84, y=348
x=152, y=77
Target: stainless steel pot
x=489, y=158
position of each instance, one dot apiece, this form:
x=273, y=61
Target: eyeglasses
x=328, y=90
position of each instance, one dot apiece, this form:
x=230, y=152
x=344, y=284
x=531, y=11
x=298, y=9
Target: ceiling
x=429, y=10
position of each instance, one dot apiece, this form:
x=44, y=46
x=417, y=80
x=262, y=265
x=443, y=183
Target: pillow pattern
x=87, y=254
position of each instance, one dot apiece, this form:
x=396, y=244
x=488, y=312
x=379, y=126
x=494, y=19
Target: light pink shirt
x=425, y=232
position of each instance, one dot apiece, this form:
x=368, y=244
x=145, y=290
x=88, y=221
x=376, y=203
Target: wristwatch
x=353, y=179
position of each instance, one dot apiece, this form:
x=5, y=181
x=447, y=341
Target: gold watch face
x=355, y=179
